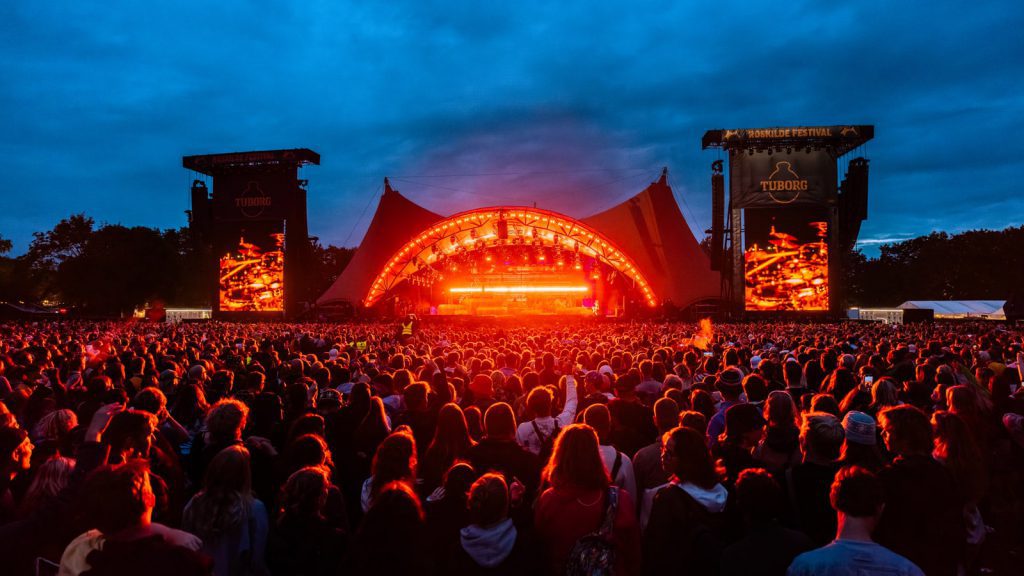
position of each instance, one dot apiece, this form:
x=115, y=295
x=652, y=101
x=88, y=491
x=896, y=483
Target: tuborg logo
x=252, y=202
x=784, y=185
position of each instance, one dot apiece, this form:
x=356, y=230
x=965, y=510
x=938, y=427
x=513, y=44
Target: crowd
x=601, y=448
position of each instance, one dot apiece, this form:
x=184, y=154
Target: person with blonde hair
x=231, y=522
x=394, y=461
x=51, y=477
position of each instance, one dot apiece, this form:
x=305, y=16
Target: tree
x=5, y=245
x=118, y=269
x=973, y=265
x=327, y=263
x=67, y=240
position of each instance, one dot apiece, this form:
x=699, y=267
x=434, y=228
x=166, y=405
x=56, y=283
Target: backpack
x=594, y=554
x=547, y=443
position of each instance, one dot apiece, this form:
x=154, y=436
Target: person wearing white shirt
x=533, y=434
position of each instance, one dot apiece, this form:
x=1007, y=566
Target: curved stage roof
x=645, y=237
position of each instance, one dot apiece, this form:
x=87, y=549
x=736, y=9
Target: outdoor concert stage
x=514, y=261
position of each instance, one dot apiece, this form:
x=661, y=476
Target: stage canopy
x=645, y=239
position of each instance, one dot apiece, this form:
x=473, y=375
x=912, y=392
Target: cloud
x=575, y=105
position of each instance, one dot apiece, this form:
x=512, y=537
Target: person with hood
x=688, y=516
x=491, y=543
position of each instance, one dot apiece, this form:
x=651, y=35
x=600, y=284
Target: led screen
x=785, y=260
x=252, y=269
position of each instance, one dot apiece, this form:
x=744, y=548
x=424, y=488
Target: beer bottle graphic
x=784, y=184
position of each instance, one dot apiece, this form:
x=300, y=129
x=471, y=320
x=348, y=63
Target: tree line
x=973, y=265
x=111, y=269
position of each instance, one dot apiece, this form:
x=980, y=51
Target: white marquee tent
x=990, y=309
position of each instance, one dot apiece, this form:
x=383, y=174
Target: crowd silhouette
x=485, y=448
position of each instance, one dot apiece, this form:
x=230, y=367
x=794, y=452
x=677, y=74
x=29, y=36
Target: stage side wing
x=651, y=229
x=395, y=222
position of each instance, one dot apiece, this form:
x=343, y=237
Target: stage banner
x=766, y=179
x=254, y=195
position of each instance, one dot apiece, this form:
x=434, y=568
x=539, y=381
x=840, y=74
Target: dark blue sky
x=574, y=105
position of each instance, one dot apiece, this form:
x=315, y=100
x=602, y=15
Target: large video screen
x=785, y=259
x=252, y=269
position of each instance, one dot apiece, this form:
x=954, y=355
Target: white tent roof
x=958, y=308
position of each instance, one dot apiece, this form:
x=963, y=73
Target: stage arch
x=503, y=228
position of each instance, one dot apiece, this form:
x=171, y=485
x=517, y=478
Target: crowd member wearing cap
x=744, y=429
x=860, y=442
x=593, y=386
x=730, y=385
x=858, y=498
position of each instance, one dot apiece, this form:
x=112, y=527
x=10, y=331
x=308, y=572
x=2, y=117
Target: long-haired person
x=956, y=449
x=885, y=393
x=451, y=442
x=780, y=446
x=392, y=538
x=302, y=540
x=684, y=533
x=372, y=430
x=923, y=515
x=577, y=501
x=395, y=461
x=231, y=522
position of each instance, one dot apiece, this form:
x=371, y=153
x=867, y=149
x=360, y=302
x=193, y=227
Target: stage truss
x=495, y=227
